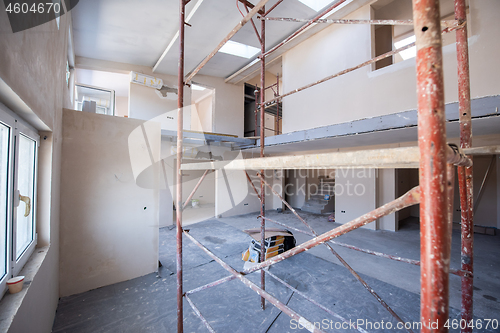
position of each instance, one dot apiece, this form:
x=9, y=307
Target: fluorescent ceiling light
x=408, y=53
x=239, y=50
x=196, y=87
x=316, y=4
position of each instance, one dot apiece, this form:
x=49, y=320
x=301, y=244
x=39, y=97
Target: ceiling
x=140, y=32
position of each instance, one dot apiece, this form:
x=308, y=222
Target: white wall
x=109, y=225
x=229, y=105
x=366, y=93
x=121, y=106
x=386, y=192
x=355, y=194
x=43, y=100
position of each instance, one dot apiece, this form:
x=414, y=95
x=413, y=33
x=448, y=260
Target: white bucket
x=15, y=284
x=195, y=203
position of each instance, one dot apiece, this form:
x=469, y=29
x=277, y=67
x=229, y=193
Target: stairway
x=317, y=203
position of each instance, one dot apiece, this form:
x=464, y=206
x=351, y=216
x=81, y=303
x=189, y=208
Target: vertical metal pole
x=180, y=105
x=465, y=178
x=278, y=105
x=262, y=189
x=434, y=241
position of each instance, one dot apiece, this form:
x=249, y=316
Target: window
x=18, y=171
x=388, y=38
x=239, y=50
x=94, y=99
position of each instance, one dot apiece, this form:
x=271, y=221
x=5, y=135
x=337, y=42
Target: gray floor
x=148, y=304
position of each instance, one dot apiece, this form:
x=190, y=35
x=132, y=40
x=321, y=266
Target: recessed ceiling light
x=239, y=50
x=316, y=4
x=408, y=53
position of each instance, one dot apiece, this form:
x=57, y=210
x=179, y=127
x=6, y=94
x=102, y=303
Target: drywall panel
x=228, y=117
x=365, y=93
x=121, y=106
x=201, y=120
x=355, y=194
x=386, y=192
x=296, y=187
x=109, y=225
x=235, y=196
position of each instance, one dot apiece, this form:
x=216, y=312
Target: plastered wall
x=109, y=225
x=366, y=93
x=355, y=194
x=32, y=66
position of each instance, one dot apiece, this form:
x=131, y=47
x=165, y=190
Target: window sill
x=10, y=303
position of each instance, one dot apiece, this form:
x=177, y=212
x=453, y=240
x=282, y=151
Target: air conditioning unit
x=146, y=80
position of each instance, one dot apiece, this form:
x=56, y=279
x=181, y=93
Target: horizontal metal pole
x=285, y=309
x=410, y=198
x=324, y=308
x=487, y=150
x=348, y=70
x=211, y=284
x=346, y=265
x=375, y=253
x=444, y=23
x=304, y=27
x=407, y=157
x=199, y=315
x=244, y=21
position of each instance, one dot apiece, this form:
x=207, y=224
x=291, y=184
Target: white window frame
x=17, y=127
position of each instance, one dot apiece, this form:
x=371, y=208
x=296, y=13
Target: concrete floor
x=147, y=304
x=192, y=215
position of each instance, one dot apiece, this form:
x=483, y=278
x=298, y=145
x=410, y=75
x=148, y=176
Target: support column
x=465, y=180
x=434, y=239
x=262, y=120
x=180, y=105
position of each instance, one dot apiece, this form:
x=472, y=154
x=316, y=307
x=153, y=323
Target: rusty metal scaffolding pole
x=195, y=189
x=446, y=23
x=346, y=265
x=262, y=138
x=285, y=309
x=305, y=26
x=465, y=173
x=434, y=239
x=244, y=21
x=180, y=105
x=410, y=198
x=371, y=252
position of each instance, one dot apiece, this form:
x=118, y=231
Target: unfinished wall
x=386, y=192
x=228, y=115
x=121, y=106
x=355, y=194
x=295, y=187
x=366, y=93
x=109, y=225
x=32, y=72
x=201, y=120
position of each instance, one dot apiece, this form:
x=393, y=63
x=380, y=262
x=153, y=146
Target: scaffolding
x=435, y=159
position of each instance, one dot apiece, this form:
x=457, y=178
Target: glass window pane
x=25, y=185
x=4, y=161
